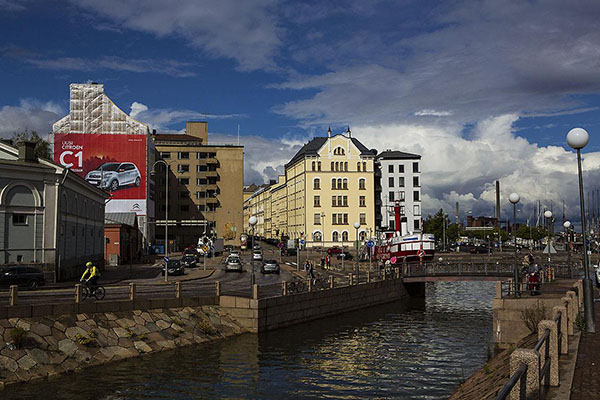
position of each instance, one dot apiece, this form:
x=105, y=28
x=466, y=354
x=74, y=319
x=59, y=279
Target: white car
x=233, y=264
x=114, y=175
x=257, y=255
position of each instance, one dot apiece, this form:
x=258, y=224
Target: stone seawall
x=41, y=347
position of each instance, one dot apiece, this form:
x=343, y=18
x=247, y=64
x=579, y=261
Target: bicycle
x=87, y=291
x=297, y=286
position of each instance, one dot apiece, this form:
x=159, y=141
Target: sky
x=483, y=90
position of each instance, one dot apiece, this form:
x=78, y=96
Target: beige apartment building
x=328, y=186
x=205, y=187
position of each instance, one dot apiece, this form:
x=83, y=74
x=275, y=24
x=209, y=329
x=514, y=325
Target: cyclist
x=94, y=274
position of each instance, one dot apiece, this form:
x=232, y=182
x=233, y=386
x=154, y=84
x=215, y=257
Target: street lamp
x=578, y=138
x=548, y=215
x=514, y=199
x=167, y=170
x=356, y=226
x=252, y=221
x=567, y=226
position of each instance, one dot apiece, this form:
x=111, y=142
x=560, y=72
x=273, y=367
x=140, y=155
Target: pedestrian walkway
x=586, y=381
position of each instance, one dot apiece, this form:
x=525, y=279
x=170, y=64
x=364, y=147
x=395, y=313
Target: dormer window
x=339, y=151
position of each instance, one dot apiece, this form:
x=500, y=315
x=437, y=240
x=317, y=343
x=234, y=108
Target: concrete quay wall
x=259, y=315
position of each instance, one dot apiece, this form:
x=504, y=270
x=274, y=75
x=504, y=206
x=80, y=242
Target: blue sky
x=484, y=90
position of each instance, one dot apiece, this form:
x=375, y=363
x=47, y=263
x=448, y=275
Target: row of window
x=415, y=168
x=186, y=194
x=183, y=168
x=340, y=184
x=186, y=207
x=340, y=219
x=339, y=166
x=416, y=210
x=185, y=155
x=335, y=236
x=199, y=181
x=400, y=197
x=401, y=181
x=416, y=224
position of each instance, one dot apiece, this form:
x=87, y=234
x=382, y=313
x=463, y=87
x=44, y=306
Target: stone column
x=131, y=291
x=284, y=288
x=564, y=341
x=331, y=282
x=178, y=290
x=350, y=280
x=217, y=288
x=530, y=389
x=368, y=276
x=570, y=314
x=78, y=293
x=553, y=379
x=573, y=295
x=14, y=295
x=255, y=291
x=579, y=285
x=498, y=289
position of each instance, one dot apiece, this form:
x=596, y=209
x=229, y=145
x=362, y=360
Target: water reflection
x=416, y=350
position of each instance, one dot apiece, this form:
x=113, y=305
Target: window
x=391, y=197
x=345, y=219
x=416, y=210
x=184, y=181
x=183, y=155
x=401, y=181
x=362, y=184
x=19, y=219
x=317, y=201
x=183, y=168
x=363, y=218
x=345, y=184
x=333, y=219
x=184, y=208
x=339, y=183
x=416, y=224
x=183, y=195
x=319, y=165
x=391, y=169
x=314, y=165
x=362, y=236
x=333, y=185
x=415, y=167
x=358, y=166
x=402, y=210
x=346, y=166
x=317, y=184
x=201, y=155
x=165, y=155
x=201, y=181
x=364, y=166
x=197, y=194
x=362, y=201
x=415, y=181
x=345, y=198
x=333, y=201
x=401, y=198
x=317, y=219
x=339, y=151
x=201, y=207
x=201, y=168
x=344, y=236
x=335, y=237
x=416, y=195
x=401, y=168
x=332, y=165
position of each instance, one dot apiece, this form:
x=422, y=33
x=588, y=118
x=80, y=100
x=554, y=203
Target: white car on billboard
x=114, y=175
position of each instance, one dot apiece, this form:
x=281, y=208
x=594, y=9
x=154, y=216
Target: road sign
x=280, y=245
x=421, y=253
x=370, y=243
x=549, y=249
x=166, y=259
x=302, y=241
x=393, y=260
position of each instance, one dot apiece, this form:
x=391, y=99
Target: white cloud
x=30, y=114
x=433, y=113
x=246, y=32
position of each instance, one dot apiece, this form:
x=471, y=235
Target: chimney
x=27, y=152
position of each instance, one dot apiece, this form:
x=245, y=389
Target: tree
x=435, y=225
x=42, y=147
x=537, y=232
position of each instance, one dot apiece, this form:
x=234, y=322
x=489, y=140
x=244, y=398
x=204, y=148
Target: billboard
x=115, y=163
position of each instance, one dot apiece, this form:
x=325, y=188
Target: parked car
x=478, y=250
x=233, y=264
x=597, y=271
x=189, y=260
x=346, y=255
x=334, y=250
x=28, y=277
x=257, y=255
x=114, y=175
x=256, y=247
x=270, y=267
x=175, y=267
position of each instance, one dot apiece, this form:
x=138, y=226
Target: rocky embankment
x=38, y=348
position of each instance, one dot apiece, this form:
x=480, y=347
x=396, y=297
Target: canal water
x=421, y=350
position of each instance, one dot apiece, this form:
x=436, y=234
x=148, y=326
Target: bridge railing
x=458, y=268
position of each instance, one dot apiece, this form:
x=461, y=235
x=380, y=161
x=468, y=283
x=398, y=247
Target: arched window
x=345, y=183
x=346, y=166
x=335, y=236
x=317, y=236
x=362, y=184
x=317, y=184
x=319, y=165
x=345, y=236
x=358, y=166
x=332, y=164
x=364, y=166
x=313, y=165
x=339, y=183
x=333, y=185
x=362, y=236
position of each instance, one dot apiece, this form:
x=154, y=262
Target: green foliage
x=580, y=323
x=435, y=225
x=536, y=233
x=42, y=146
x=206, y=327
x=18, y=336
x=86, y=340
x=532, y=316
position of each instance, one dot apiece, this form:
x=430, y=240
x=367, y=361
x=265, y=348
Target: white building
x=399, y=176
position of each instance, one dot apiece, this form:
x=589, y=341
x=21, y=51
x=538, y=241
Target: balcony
x=211, y=200
x=207, y=174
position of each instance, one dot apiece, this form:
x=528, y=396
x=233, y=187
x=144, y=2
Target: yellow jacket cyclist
x=93, y=272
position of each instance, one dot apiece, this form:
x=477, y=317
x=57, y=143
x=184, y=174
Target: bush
x=18, y=335
x=532, y=316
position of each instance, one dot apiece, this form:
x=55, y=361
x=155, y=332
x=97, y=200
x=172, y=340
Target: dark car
x=478, y=250
x=270, y=267
x=29, y=277
x=334, y=250
x=174, y=267
x=346, y=255
x=189, y=260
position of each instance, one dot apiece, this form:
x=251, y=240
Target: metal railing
x=520, y=376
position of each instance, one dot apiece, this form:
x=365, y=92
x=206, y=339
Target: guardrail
x=535, y=369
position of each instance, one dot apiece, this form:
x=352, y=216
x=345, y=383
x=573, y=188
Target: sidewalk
x=586, y=380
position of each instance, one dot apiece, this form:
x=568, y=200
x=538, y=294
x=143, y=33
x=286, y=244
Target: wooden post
x=350, y=280
x=78, y=288
x=217, y=288
x=310, y=285
x=284, y=288
x=368, y=276
x=14, y=295
x=178, y=290
x=132, y=291
x=331, y=282
x=255, y=291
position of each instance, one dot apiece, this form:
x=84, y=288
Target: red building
x=121, y=238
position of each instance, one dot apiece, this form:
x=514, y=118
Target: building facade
x=399, y=180
x=205, y=187
x=49, y=217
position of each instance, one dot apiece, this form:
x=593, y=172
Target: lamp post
x=252, y=222
x=514, y=199
x=444, y=229
x=356, y=226
x=578, y=138
x=166, y=212
x=548, y=215
x=567, y=226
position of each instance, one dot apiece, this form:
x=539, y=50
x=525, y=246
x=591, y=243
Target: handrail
x=521, y=372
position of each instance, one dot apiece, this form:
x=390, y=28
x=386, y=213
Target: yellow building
x=328, y=186
x=205, y=187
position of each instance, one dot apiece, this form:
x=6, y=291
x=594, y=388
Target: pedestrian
x=323, y=262
x=328, y=261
